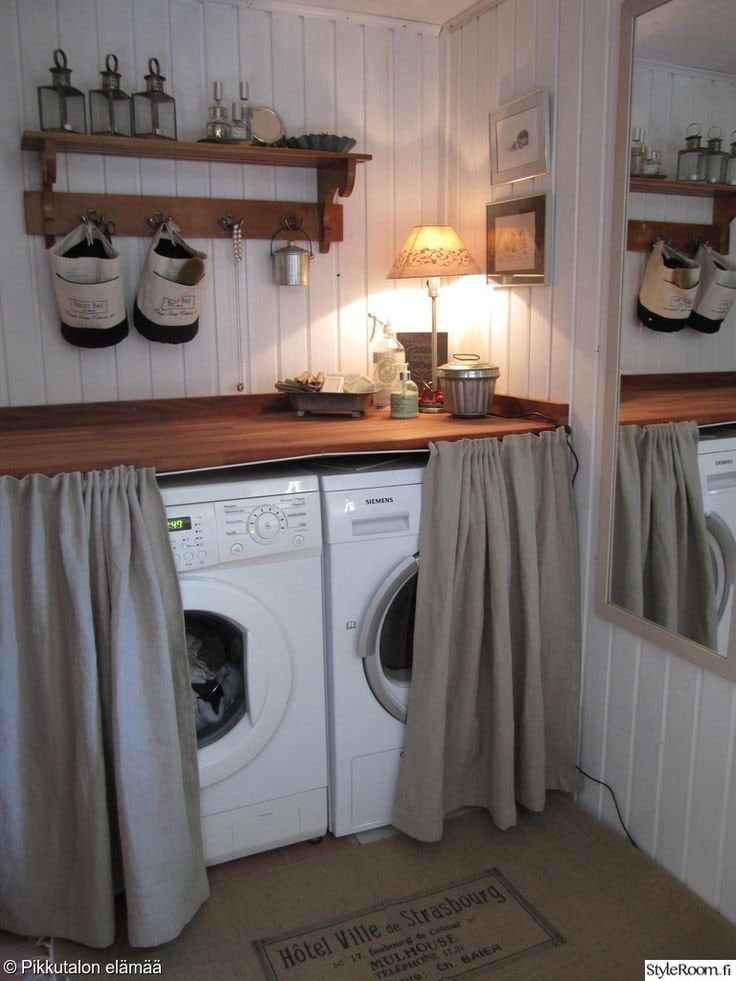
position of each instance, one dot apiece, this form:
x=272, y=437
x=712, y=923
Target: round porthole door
x=241, y=674
x=723, y=557
x=386, y=639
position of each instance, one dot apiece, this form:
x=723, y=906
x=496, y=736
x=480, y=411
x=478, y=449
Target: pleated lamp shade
x=431, y=251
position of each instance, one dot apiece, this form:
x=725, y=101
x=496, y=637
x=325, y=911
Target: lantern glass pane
x=61, y=109
x=154, y=114
x=110, y=112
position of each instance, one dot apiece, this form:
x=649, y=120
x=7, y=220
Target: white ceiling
x=696, y=33
x=427, y=11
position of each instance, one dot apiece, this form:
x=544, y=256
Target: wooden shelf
x=693, y=189
x=52, y=213
x=230, y=430
x=682, y=235
x=706, y=397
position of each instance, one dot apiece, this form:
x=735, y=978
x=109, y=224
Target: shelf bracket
x=331, y=183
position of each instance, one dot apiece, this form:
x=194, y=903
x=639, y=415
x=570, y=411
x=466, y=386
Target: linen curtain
x=99, y=787
x=493, y=706
x=661, y=567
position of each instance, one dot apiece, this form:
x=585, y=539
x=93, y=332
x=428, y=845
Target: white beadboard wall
x=657, y=728
x=660, y=730
x=376, y=81
x=665, y=100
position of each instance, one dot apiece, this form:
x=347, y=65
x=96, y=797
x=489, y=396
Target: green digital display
x=179, y=524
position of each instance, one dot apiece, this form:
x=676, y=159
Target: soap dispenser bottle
x=404, y=396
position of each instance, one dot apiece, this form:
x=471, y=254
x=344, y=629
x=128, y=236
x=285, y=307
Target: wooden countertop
x=200, y=433
x=706, y=397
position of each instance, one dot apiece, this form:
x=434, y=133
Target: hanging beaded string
x=236, y=228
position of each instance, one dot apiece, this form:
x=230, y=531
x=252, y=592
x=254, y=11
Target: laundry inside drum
x=216, y=652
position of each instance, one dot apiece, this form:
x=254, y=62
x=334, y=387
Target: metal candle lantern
x=691, y=160
x=110, y=109
x=61, y=106
x=731, y=163
x=154, y=111
x=715, y=159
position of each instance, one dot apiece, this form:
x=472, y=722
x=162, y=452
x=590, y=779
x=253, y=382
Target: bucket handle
x=466, y=357
x=290, y=223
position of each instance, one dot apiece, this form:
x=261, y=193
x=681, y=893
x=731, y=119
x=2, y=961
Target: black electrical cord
x=540, y=415
x=615, y=802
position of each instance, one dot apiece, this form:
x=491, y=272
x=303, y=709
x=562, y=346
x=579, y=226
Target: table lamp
x=432, y=251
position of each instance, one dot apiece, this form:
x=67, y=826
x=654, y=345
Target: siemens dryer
x=717, y=463
x=370, y=514
x=248, y=547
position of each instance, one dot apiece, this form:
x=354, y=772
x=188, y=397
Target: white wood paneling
x=377, y=82
x=657, y=728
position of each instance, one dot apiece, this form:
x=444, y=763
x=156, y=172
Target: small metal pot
x=291, y=263
x=468, y=385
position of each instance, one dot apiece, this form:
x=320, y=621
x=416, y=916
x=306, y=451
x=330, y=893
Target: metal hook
x=230, y=222
x=157, y=219
x=100, y=221
x=292, y=224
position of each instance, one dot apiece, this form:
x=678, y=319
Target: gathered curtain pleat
x=99, y=787
x=493, y=707
x=661, y=567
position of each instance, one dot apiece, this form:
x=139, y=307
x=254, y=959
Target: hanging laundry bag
x=171, y=288
x=668, y=290
x=88, y=288
x=716, y=291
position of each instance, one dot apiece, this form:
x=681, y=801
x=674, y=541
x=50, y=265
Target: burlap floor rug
x=557, y=897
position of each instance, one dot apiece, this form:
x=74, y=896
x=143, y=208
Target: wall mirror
x=677, y=66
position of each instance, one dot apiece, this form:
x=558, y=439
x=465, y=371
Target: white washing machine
x=717, y=463
x=370, y=516
x=248, y=547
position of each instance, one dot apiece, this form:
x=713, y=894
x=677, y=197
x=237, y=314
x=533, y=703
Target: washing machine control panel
x=213, y=533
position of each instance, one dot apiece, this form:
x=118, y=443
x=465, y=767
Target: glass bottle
x=110, y=109
x=731, y=162
x=715, y=159
x=218, y=125
x=387, y=357
x=61, y=106
x=154, y=111
x=238, y=128
x=691, y=160
x=404, y=395
x=637, y=151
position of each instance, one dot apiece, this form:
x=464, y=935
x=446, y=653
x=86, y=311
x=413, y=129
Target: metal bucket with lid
x=468, y=385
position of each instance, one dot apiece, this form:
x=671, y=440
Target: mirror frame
x=647, y=630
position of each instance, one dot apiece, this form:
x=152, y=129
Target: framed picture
x=518, y=241
x=519, y=138
x=418, y=348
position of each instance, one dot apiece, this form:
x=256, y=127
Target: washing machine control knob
x=266, y=522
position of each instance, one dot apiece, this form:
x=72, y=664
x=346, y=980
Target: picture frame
x=518, y=241
x=418, y=353
x=519, y=138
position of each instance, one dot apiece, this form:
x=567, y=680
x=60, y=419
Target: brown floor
x=611, y=906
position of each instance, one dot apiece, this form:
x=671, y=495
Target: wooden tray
x=306, y=403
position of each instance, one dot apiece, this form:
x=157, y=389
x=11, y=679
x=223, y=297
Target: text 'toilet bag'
x=171, y=288
x=668, y=289
x=88, y=288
